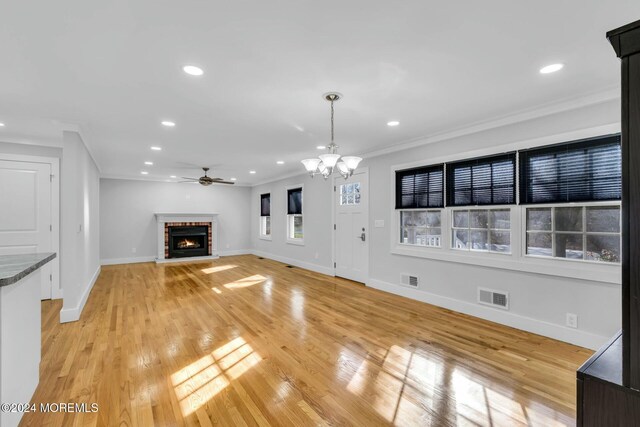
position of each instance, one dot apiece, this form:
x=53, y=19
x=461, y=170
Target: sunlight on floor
x=201, y=381
x=218, y=268
x=216, y=290
x=406, y=385
x=246, y=282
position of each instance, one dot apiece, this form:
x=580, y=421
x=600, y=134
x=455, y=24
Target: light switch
x=379, y=223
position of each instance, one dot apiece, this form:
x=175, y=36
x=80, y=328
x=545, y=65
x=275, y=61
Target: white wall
x=128, y=221
x=80, y=225
x=315, y=254
x=539, y=302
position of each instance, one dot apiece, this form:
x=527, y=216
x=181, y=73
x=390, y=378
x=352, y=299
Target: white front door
x=351, y=235
x=25, y=212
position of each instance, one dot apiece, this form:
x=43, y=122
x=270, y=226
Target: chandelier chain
x=331, y=121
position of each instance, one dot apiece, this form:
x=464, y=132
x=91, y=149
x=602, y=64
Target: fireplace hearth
x=188, y=241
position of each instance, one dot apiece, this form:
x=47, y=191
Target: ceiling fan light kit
x=326, y=164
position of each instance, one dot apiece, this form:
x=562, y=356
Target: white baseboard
x=306, y=265
x=551, y=330
x=235, y=252
x=73, y=314
x=114, y=261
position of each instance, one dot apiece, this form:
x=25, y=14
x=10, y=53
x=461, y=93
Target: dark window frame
x=564, y=193
x=452, y=190
x=415, y=173
x=294, y=206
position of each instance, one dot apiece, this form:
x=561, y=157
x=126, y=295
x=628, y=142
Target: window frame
x=289, y=217
x=488, y=229
x=584, y=233
x=413, y=245
x=262, y=235
x=590, y=271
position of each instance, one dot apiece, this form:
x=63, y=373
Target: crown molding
x=518, y=117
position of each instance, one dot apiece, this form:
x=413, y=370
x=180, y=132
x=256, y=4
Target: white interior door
x=25, y=212
x=351, y=204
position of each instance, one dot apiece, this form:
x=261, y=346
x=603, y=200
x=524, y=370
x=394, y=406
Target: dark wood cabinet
x=609, y=382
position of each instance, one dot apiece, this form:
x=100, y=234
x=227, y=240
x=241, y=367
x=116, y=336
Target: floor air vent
x=409, y=280
x=260, y=257
x=493, y=298
x=290, y=266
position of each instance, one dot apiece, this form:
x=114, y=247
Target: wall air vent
x=499, y=299
x=409, y=280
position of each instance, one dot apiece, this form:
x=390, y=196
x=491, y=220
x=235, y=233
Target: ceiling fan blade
x=188, y=182
x=192, y=179
x=224, y=182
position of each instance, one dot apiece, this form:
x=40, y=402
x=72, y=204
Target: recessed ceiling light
x=321, y=147
x=1, y=125
x=233, y=179
x=156, y=148
x=551, y=68
x=393, y=123
x=144, y=173
x=148, y=163
x=173, y=176
x=252, y=172
x=193, y=70
x=168, y=124
x=280, y=162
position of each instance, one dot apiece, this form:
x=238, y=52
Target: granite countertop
x=16, y=267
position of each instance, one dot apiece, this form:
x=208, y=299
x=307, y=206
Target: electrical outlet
x=572, y=320
x=133, y=250
x=379, y=223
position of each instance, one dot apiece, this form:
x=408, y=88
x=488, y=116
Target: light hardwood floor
x=248, y=341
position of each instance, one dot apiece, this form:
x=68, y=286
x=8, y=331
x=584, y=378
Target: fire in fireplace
x=188, y=241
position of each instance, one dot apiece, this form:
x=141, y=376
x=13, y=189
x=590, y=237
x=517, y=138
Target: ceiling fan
x=207, y=180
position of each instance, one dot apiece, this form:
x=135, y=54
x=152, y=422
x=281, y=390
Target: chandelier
x=326, y=164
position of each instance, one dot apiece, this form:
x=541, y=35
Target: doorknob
x=362, y=236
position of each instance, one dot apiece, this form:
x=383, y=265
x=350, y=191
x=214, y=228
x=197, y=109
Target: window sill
x=299, y=242
x=262, y=237
x=552, y=267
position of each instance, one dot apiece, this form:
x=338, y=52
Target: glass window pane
x=568, y=219
x=356, y=187
x=569, y=245
x=479, y=240
x=268, y=225
x=539, y=219
x=420, y=218
x=539, y=244
x=434, y=231
x=603, y=248
x=406, y=218
x=421, y=237
x=350, y=199
x=357, y=198
x=460, y=239
x=479, y=219
x=343, y=199
x=433, y=219
x=297, y=227
x=603, y=219
x=500, y=241
x=349, y=188
x=500, y=219
x=460, y=218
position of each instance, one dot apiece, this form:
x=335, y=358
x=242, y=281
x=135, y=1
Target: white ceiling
x=114, y=68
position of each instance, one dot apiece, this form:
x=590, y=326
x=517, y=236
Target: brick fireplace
x=186, y=236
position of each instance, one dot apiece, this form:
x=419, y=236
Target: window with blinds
x=294, y=201
x=420, y=187
x=579, y=171
x=482, y=181
x=265, y=204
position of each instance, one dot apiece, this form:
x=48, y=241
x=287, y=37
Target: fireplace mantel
x=164, y=218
